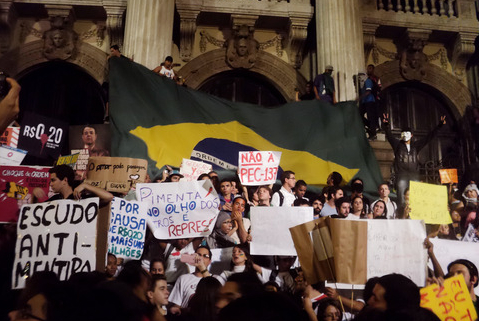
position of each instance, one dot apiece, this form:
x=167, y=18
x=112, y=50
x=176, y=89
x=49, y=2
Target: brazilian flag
x=155, y=119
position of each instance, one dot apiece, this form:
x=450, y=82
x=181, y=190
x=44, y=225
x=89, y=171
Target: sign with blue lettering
x=126, y=235
x=180, y=210
x=58, y=236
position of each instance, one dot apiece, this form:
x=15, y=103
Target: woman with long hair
x=241, y=261
x=357, y=210
x=202, y=306
x=380, y=210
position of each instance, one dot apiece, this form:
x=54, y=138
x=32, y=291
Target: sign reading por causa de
x=180, y=210
x=126, y=235
x=258, y=167
x=58, y=236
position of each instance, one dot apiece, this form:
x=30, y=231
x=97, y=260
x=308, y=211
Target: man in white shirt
x=285, y=196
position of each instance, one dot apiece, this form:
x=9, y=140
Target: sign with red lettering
x=17, y=183
x=451, y=302
x=181, y=209
x=258, y=167
x=191, y=169
x=10, y=137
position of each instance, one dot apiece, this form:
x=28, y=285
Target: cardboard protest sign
x=10, y=137
x=428, y=202
x=191, y=169
x=451, y=301
x=126, y=235
x=68, y=160
x=16, y=186
x=42, y=136
x=58, y=236
x=396, y=246
x=116, y=174
x=258, y=167
x=180, y=210
x=448, y=251
x=448, y=175
x=11, y=156
x=270, y=228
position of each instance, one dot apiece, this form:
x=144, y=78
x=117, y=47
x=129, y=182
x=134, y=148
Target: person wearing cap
x=470, y=194
x=406, y=165
x=324, y=86
x=174, y=176
x=367, y=104
x=471, y=277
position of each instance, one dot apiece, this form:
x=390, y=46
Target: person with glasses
x=221, y=236
x=185, y=286
x=285, y=196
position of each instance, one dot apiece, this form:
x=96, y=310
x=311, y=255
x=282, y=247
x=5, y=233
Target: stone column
x=340, y=43
x=149, y=31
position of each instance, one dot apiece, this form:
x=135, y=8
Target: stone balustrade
x=444, y=8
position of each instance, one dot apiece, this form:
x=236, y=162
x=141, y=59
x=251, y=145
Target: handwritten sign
x=180, y=210
x=191, y=169
x=68, y=160
x=270, y=228
x=126, y=235
x=116, y=174
x=10, y=137
x=258, y=167
x=451, y=301
x=429, y=203
x=16, y=185
x=448, y=176
x=42, y=136
x=58, y=236
x=396, y=246
x=11, y=156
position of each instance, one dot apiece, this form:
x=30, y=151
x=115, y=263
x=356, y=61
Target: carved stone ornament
x=241, y=49
x=59, y=42
x=413, y=61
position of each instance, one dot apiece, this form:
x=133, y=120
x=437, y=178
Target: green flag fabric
x=154, y=118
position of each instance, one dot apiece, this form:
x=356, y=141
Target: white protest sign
x=191, y=169
x=270, y=228
x=58, y=236
x=11, y=156
x=470, y=235
x=396, y=246
x=180, y=210
x=258, y=167
x=447, y=251
x=126, y=235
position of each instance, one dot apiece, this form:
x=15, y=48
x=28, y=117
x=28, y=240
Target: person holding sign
x=406, y=165
x=471, y=276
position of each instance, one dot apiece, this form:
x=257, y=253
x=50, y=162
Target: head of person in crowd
x=288, y=180
x=136, y=278
x=236, y=187
x=357, y=206
x=202, y=306
x=158, y=292
x=334, y=193
x=328, y=69
x=284, y=263
x=240, y=257
x=471, y=193
x=115, y=51
x=203, y=177
x=406, y=135
x=317, y=204
x=220, y=237
x=175, y=176
x=357, y=188
x=334, y=179
x=215, y=180
x=239, y=205
x=309, y=87
x=61, y=179
x=157, y=266
x=180, y=244
x=264, y=195
x=300, y=188
x=379, y=210
x=238, y=285
x=468, y=270
x=329, y=310
x=383, y=190
x=271, y=286
x=301, y=202
x=394, y=292
x=226, y=187
x=89, y=136
x=111, y=265
x=343, y=206
x=370, y=70
x=168, y=62
x=469, y=215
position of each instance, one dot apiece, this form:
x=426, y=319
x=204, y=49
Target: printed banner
x=68, y=160
x=451, y=301
x=58, y=236
x=429, y=203
x=81, y=164
x=191, y=169
x=270, y=228
x=16, y=186
x=180, y=210
x=126, y=235
x=96, y=138
x=42, y=136
x=10, y=137
x=258, y=168
x=448, y=176
x=116, y=174
x=11, y=156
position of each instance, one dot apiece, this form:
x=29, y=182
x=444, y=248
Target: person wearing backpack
x=285, y=196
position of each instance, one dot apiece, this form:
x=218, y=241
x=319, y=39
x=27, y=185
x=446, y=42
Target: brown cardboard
x=102, y=225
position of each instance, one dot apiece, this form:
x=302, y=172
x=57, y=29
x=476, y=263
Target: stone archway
x=282, y=75
x=457, y=94
x=89, y=58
